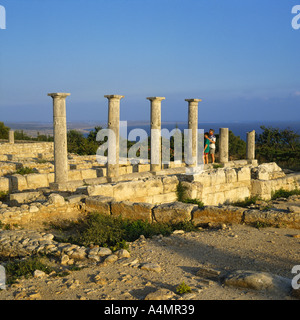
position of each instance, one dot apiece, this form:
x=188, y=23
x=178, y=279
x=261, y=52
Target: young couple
x=209, y=146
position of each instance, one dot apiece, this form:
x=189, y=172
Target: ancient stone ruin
x=69, y=185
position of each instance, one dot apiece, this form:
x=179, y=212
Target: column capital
x=113, y=96
x=156, y=98
x=59, y=95
x=193, y=100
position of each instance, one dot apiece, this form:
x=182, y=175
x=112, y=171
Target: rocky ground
x=229, y=262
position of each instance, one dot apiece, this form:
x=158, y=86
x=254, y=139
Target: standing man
x=212, y=147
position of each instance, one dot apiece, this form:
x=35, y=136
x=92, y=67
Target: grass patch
x=194, y=201
x=183, y=288
x=25, y=268
x=246, y=203
x=115, y=232
x=181, y=196
x=218, y=165
x=25, y=170
x=261, y=224
x=3, y=196
x=281, y=193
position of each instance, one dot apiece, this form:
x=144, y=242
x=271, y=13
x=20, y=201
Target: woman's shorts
x=212, y=150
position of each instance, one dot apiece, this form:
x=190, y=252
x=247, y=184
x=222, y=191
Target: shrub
x=24, y=268
x=183, y=288
x=194, y=201
x=281, y=193
x=247, y=202
x=114, y=232
x=3, y=196
x=25, y=170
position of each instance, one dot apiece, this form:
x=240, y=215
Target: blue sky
x=240, y=57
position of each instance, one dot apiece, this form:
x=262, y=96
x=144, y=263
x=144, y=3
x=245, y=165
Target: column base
x=66, y=186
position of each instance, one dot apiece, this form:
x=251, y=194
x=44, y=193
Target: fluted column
x=155, y=161
x=60, y=137
x=114, y=139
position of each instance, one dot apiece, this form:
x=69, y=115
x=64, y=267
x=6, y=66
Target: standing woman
x=206, y=148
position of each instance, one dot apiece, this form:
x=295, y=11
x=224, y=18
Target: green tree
x=3, y=131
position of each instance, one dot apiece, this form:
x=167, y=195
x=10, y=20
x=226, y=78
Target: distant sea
x=238, y=128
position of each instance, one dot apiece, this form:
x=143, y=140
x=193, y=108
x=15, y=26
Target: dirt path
x=180, y=256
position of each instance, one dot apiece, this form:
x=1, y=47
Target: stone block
x=231, y=175
x=18, y=182
x=133, y=211
x=173, y=212
x=4, y=184
x=16, y=199
x=99, y=204
x=214, y=214
x=89, y=174
x=101, y=190
x=74, y=175
x=170, y=184
x=243, y=174
x=37, y=180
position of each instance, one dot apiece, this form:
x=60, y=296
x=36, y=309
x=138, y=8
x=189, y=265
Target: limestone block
x=37, y=180
x=214, y=214
x=133, y=211
x=213, y=199
x=74, y=175
x=101, y=190
x=159, y=198
x=154, y=186
x=231, y=175
x=273, y=218
x=16, y=199
x=237, y=194
x=193, y=190
x=218, y=177
x=173, y=212
x=4, y=184
x=99, y=204
x=88, y=174
x=170, y=184
x=204, y=177
x=18, y=182
x=51, y=177
x=244, y=173
x=261, y=188
x=56, y=199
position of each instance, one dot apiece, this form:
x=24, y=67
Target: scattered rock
x=123, y=253
x=160, y=294
x=39, y=274
x=209, y=273
x=151, y=267
x=258, y=281
x=111, y=258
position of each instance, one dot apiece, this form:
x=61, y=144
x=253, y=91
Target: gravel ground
x=234, y=247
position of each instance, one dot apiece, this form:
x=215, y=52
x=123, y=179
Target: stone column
x=193, y=126
x=155, y=161
x=113, y=142
x=60, y=137
x=250, y=145
x=223, y=145
x=11, y=137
